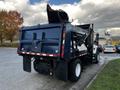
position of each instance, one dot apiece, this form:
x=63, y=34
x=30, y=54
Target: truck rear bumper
x=38, y=54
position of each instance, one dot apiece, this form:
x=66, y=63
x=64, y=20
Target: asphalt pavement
x=12, y=76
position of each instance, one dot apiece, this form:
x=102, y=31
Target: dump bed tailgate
x=41, y=40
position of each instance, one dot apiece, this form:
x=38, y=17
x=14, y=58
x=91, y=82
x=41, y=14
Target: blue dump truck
x=58, y=49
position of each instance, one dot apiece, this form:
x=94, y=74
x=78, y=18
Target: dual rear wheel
x=97, y=58
x=75, y=69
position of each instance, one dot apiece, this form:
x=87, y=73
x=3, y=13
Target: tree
x=13, y=22
x=10, y=23
x=2, y=24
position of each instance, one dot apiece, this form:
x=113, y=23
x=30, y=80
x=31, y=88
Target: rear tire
x=41, y=67
x=35, y=65
x=75, y=70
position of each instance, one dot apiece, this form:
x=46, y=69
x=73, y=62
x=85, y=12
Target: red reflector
x=114, y=49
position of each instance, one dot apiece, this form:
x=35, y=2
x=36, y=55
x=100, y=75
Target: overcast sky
x=105, y=14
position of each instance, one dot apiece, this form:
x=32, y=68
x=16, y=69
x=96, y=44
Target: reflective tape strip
x=32, y=53
x=27, y=53
x=39, y=54
x=23, y=52
x=51, y=55
x=44, y=54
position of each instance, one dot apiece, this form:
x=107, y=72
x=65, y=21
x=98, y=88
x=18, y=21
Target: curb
x=95, y=76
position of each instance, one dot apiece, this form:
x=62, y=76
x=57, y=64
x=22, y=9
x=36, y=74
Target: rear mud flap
x=61, y=71
x=27, y=63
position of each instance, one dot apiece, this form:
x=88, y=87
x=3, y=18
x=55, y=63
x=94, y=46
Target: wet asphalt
x=12, y=76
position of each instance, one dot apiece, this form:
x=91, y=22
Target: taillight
x=62, y=47
x=63, y=35
x=62, y=53
x=114, y=49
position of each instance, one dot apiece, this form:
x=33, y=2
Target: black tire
x=41, y=67
x=73, y=76
x=35, y=65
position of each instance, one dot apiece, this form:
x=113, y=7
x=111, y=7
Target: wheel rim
x=78, y=70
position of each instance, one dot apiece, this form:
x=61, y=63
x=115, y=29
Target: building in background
x=108, y=38
x=102, y=41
